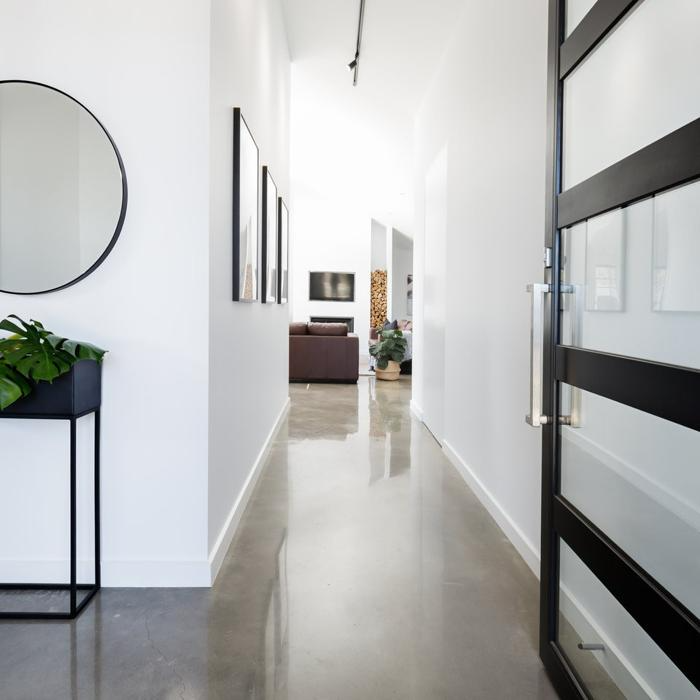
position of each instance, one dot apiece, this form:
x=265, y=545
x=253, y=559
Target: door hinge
x=548, y=257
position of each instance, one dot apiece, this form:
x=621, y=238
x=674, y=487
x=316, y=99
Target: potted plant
x=32, y=357
x=389, y=352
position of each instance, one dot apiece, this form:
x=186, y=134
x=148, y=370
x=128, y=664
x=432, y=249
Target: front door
x=616, y=352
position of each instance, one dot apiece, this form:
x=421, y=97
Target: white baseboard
x=416, y=410
x=617, y=665
x=223, y=541
x=522, y=544
x=152, y=574
x=115, y=574
x=155, y=574
x=55, y=571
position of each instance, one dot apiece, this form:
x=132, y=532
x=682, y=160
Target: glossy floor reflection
x=364, y=569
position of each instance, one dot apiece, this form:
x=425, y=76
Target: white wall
x=185, y=412
x=485, y=132
x=379, y=243
x=433, y=319
x=248, y=377
x=401, y=267
x=326, y=240
x=143, y=68
x=491, y=125
x=343, y=156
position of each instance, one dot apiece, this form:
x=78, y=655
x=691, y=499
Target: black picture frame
x=270, y=238
x=282, y=252
x=124, y=187
x=246, y=166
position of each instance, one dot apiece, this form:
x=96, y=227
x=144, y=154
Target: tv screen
x=331, y=286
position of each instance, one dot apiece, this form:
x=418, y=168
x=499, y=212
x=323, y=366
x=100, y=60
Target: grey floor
x=364, y=569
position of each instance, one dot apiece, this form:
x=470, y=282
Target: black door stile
x=669, y=392
x=563, y=677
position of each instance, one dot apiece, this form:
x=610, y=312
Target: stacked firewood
x=378, y=298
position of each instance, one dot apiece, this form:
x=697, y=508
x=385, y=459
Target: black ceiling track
x=356, y=62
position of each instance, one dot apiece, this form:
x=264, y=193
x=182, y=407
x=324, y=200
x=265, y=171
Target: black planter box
x=72, y=394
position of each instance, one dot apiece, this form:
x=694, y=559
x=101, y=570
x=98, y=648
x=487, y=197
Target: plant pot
x=72, y=394
x=391, y=373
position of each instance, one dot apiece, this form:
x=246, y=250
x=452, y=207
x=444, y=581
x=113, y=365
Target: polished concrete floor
x=364, y=569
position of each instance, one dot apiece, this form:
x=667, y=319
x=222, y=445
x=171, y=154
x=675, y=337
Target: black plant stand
x=70, y=397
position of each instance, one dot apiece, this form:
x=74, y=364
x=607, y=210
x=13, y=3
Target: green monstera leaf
x=36, y=354
x=13, y=386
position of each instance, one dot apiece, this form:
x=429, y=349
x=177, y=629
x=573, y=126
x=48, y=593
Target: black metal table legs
x=76, y=605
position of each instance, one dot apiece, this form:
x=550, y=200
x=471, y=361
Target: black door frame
x=666, y=391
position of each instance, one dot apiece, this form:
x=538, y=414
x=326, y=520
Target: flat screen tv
x=331, y=286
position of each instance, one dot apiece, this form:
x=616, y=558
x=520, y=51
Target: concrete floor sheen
x=364, y=569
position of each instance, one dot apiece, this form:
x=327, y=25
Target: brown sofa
x=323, y=352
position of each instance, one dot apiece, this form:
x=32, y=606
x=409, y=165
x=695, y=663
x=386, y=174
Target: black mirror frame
x=125, y=195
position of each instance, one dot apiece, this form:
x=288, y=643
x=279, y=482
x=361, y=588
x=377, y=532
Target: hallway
x=364, y=569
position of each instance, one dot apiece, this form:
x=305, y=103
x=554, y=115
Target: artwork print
x=245, y=211
x=269, y=240
x=283, y=246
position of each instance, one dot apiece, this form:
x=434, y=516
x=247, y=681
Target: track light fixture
x=354, y=65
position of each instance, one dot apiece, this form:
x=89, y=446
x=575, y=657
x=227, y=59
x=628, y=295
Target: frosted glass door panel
x=576, y=10
x=631, y=666
x=636, y=87
x=676, y=252
x=636, y=477
x=636, y=275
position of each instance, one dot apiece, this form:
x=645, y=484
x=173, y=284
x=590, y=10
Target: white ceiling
x=402, y=44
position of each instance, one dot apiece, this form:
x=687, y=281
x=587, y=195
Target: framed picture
x=245, y=211
x=409, y=295
x=605, y=262
x=269, y=238
x=283, y=248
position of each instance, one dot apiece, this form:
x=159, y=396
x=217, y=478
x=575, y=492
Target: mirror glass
x=62, y=189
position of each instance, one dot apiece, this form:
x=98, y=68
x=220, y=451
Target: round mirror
x=62, y=189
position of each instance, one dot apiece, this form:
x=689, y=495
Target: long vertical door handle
x=538, y=291
x=577, y=308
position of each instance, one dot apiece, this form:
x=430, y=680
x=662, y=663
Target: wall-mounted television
x=331, y=286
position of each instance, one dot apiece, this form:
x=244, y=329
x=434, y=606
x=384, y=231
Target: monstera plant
x=34, y=354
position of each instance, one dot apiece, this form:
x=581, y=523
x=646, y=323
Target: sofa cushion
x=298, y=328
x=328, y=329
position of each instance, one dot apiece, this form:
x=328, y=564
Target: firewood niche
x=378, y=298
